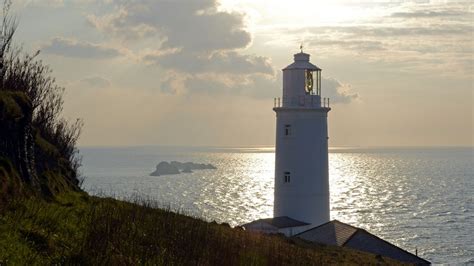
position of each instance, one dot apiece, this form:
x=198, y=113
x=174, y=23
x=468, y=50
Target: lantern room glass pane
x=318, y=82
x=309, y=82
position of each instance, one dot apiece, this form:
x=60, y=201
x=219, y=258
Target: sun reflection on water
x=411, y=198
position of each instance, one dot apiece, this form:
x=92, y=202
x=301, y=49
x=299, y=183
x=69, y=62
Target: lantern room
x=301, y=82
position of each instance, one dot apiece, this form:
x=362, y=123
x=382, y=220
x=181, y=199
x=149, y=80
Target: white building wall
x=263, y=227
x=291, y=231
x=293, y=84
x=304, y=153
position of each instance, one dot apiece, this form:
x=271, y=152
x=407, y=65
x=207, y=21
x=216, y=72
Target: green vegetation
x=12, y=105
x=10, y=183
x=75, y=228
x=29, y=163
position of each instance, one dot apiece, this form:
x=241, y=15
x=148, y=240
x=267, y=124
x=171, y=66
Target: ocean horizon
x=419, y=198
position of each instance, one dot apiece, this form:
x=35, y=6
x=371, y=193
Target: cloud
x=257, y=86
x=431, y=14
x=354, y=45
x=80, y=49
x=95, y=82
x=55, y=3
x=337, y=92
x=190, y=25
x=199, y=48
x=361, y=32
x=456, y=10
x=409, y=37
x=196, y=44
x=219, y=62
x=40, y=3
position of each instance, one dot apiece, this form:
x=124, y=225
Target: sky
x=204, y=73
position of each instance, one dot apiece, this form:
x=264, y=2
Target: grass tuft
x=75, y=228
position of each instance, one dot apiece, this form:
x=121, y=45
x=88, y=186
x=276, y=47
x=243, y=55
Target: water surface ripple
x=416, y=198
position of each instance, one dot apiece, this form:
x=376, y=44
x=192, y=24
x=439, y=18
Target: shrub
x=42, y=129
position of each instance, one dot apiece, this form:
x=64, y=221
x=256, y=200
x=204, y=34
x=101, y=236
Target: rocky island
x=174, y=168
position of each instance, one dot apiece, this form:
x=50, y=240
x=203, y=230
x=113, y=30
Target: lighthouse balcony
x=305, y=101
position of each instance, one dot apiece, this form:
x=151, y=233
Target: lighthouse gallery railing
x=301, y=102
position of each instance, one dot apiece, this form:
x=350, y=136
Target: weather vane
x=301, y=47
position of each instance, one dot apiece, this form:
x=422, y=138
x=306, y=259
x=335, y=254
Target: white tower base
x=301, y=164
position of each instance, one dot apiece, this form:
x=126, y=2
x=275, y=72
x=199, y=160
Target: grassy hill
x=75, y=228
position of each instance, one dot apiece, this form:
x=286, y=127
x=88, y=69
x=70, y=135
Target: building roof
x=332, y=233
x=302, y=62
x=336, y=233
x=279, y=222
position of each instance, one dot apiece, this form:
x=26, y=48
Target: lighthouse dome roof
x=302, y=62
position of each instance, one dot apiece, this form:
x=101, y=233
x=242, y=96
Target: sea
x=420, y=199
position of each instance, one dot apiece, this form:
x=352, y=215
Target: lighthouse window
x=287, y=130
x=287, y=177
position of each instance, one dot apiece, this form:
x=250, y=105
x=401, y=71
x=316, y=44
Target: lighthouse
x=301, y=203
x=301, y=152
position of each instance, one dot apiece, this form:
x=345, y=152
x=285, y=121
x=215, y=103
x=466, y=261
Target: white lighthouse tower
x=301, y=206
x=301, y=155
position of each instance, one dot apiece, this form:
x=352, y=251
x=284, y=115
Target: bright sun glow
x=299, y=13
